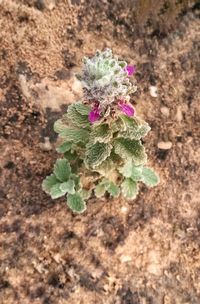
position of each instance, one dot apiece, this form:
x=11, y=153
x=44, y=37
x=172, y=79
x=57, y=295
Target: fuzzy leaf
x=59, y=126
x=97, y=153
x=85, y=194
x=82, y=109
x=70, y=156
x=113, y=189
x=129, y=188
x=56, y=192
x=118, y=125
x=130, y=149
x=100, y=190
x=66, y=146
x=129, y=170
x=137, y=173
x=76, y=203
x=49, y=182
x=76, y=118
x=68, y=186
x=75, y=135
x=105, y=167
x=149, y=177
x=135, y=128
x=101, y=133
x=62, y=169
x=76, y=180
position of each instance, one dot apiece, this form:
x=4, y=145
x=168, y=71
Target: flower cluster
x=106, y=84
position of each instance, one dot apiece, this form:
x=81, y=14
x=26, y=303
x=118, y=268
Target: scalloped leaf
x=129, y=170
x=75, y=135
x=49, y=182
x=101, y=133
x=76, y=203
x=100, y=190
x=113, y=189
x=70, y=155
x=56, y=192
x=105, y=167
x=85, y=194
x=149, y=177
x=118, y=125
x=135, y=128
x=68, y=187
x=97, y=153
x=82, y=108
x=76, y=180
x=59, y=126
x=64, y=147
x=62, y=170
x=129, y=188
x=130, y=149
x=76, y=118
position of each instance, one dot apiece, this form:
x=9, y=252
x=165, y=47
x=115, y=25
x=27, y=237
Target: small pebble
x=165, y=111
x=50, y=4
x=124, y=209
x=179, y=114
x=46, y=146
x=164, y=145
x=125, y=258
x=153, y=91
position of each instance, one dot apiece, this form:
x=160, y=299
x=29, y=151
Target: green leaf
x=117, y=126
x=106, y=185
x=68, y=187
x=76, y=203
x=130, y=149
x=62, y=170
x=129, y=170
x=101, y=133
x=66, y=146
x=75, y=135
x=49, y=182
x=76, y=180
x=149, y=177
x=113, y=189
x=100, y=190
x=59, y=126
x=97, y=153
x=135, y=128
x=126, y=170
x=82, y=109
x=129, y=188
x=105, y=167
x=70, y=156
x=76, y=117
x=137, y=173
x=85, y=194
x=56, y=192
x=122, y=64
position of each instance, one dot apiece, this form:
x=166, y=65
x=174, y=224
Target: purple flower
x=130, y=69
x=127, y=109
x=94, y=115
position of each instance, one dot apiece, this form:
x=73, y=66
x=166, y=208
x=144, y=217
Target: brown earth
x=141, y=252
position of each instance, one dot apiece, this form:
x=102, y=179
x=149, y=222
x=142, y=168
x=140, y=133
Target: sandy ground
x=141, y=252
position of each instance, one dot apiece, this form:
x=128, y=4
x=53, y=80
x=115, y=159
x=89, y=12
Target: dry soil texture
x=141, y=252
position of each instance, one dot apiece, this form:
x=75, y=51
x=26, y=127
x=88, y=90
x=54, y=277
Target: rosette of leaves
x=109, y=152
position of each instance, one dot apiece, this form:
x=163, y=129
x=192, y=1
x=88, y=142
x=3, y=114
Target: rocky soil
x=142, y=252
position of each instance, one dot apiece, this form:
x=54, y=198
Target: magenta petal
x=130, y=69
x=128, y=110
x=94, y=116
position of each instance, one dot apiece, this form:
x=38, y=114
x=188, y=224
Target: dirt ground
x=142, y=252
